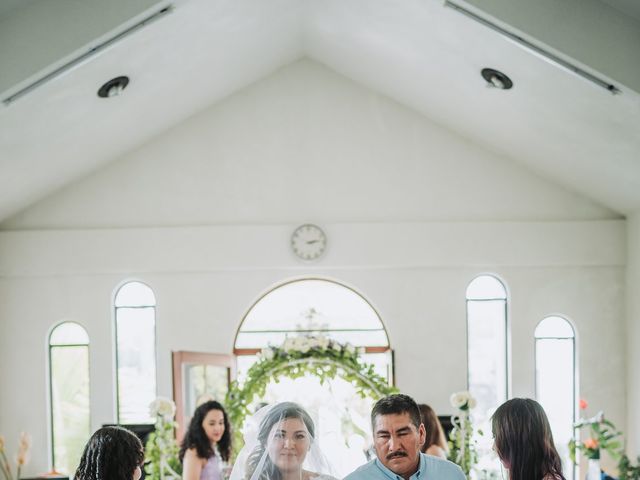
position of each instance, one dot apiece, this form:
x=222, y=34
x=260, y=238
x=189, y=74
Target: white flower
x=162, y=407
x=463, y=400
x=336, y=346
x=303, y=345
x=350, y=348
x=323, y=342
x=289, y=344
x=268, y=353
x=313, y=342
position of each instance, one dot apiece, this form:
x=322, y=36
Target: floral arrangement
x=21, y=458
x=318, y=355
x=161, y=450
x=462, y=446
x=603, y=435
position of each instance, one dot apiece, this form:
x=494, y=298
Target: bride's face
x=289, y=442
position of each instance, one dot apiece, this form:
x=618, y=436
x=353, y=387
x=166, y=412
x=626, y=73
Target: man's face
x=397, y=442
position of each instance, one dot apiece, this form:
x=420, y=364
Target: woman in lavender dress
x=207, y=444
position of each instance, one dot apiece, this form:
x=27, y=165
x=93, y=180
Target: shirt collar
x=394, y=476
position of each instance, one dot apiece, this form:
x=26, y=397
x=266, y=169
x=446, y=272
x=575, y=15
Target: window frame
x=115, y=308
x=50, y=347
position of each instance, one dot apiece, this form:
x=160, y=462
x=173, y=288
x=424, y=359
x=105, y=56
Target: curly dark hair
x=524, y=442
x=112, y=453
x=197, y=438
x=278, y=412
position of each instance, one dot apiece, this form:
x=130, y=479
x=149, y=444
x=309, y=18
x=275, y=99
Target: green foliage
x=318, y=356
x=628, y=471
x=161, y=451
x=462, y=446
x=603, y=435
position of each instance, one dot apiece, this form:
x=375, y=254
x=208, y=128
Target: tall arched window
x=487, y=343
x=135, y=322
x=320, y=307
x=555, y=354
x=68, y=395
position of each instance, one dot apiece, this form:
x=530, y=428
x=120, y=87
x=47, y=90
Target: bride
x=280, y=445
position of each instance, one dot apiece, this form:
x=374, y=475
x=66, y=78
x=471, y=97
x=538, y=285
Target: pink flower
x=583, y=404
x=591, y=443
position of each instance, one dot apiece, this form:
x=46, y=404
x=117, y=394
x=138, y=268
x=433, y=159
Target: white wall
x=413, y=212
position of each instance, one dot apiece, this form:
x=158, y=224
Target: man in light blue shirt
x=398, y=434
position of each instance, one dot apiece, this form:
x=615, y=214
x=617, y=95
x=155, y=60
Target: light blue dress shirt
x=430, y=468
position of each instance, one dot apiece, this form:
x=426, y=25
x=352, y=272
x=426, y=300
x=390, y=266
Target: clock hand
x=309, y=242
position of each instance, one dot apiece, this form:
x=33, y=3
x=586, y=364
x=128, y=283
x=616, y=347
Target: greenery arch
x=298, y=356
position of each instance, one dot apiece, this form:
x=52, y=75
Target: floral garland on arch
x=297, y=356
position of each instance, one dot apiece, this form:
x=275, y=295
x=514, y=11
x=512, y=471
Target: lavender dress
x=212, y=470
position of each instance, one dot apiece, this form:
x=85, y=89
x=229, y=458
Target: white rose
x=336, y=346
x=471, y=402
x=289, y=344
x=323, y=342
x=162, y=407
x=303, y=344
x=267, y=353
x=313, y=342
x=350, y=348
x=458, y=399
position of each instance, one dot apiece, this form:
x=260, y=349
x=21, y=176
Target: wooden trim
x=181, y=358
x=255, y=351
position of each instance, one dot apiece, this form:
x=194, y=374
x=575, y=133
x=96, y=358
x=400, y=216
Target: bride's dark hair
x=276, y=414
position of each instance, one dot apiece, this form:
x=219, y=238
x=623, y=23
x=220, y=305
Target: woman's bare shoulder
x=317, y=476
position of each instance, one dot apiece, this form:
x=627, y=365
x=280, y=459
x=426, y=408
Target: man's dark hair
x=397, y=403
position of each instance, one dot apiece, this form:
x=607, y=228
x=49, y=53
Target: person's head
x=287, y=432
x=523, y=440
x=112, y=453
x=433, y=429
x=208, y=427
x=398, y=433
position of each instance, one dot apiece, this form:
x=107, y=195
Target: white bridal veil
x=280, y=441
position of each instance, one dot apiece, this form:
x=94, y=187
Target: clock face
x=308, y=242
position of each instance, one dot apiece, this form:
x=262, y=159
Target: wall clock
x=308, y=242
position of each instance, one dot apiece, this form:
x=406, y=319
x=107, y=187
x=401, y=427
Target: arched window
x=487, y=343
x=135, y=326
x=68, y=395
x=555, y=354
x=320, y=307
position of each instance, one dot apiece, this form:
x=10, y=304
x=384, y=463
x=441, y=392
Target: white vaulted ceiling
x=417, y=52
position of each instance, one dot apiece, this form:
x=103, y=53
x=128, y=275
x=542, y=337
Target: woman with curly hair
x=523, y=441
x=207, y=443
x=111, y=453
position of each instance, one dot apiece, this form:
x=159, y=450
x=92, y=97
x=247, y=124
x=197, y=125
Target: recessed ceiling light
x=496, y=79
x=113, y=87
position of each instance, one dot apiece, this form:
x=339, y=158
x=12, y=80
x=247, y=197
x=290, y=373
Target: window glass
x=556, y=380
x=69, y=395
x=135, y=317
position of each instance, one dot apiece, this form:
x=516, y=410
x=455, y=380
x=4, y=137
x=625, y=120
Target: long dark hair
x=197, y=438
x=111, y=453
x=435, y=433
x=278, y=412
x=524, y=442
